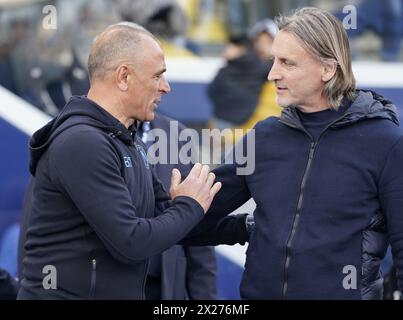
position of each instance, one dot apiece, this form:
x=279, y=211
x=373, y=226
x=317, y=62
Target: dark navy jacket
x=185, y=270
x=92, y=209
x=324, y=208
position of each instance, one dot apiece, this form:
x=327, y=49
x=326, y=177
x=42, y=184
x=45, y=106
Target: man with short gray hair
x=328, y=182
x=95, y=211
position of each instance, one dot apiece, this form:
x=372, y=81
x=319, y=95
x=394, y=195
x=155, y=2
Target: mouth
x=156, y=103
x=281, y=89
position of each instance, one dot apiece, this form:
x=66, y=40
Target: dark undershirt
x=316, y=122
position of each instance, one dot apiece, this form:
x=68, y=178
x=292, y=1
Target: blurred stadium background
x=41, y=67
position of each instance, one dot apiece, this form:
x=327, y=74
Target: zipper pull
x=313, y=145
x=94, y=264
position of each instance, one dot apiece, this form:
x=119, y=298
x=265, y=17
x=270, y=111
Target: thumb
x=175, y=178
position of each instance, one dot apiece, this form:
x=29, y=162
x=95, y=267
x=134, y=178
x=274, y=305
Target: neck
x=109, y=103
x=315, y=106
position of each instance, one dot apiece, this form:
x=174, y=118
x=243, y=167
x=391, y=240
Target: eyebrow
x=284, y=58
x=160, y=72
x=287, y=59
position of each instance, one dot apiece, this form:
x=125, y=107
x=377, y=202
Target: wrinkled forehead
x=151, y=46
x=153, y=54
x=287, y=45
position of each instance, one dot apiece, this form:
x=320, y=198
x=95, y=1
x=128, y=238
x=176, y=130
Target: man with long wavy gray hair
x=328, y=182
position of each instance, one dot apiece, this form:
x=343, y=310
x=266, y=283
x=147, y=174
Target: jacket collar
x=366, y=105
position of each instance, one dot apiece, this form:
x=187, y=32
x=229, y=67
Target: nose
x=165, y=87
x=274, y=73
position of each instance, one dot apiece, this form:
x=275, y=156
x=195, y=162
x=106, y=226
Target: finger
x=204, y=173
x=175, y=178
x=216, y=187
x=195, y=172
x=210, y=180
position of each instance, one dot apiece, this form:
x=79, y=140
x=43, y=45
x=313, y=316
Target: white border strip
x=199, y=70
x=20, y=113
x=235, y=253
x=379, y=75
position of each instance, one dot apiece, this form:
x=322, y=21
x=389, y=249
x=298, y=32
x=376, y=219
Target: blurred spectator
x=236, y=16
x=208, y=25
x=235, y=89
x=13, y=34
x=262, y=35
x=385, y=19
x=40, y=60
x=48, y=65
x=73, y=78
x=164, y=18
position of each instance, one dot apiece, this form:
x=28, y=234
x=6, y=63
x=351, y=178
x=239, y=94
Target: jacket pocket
x=93, y=278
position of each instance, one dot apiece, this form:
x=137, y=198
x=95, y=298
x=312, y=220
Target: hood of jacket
x=78, y=110
x=366, y=105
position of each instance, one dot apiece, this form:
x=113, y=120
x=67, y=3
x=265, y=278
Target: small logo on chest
x=128, y=162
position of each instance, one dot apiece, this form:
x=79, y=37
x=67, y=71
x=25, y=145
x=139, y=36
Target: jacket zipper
x=301, y=196
x=93, y=278
x=297, y=217
x=143, y=286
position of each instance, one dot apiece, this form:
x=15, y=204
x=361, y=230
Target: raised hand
x=199, y=185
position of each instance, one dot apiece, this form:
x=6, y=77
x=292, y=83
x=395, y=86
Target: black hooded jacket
x=92, y=209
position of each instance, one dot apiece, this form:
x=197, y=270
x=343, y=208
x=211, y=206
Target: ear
x=329, y=70
x=122, y=77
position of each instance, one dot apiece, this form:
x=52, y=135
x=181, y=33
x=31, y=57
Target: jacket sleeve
x=86, y=168
x=162, y=198
x=201, y=273
x=217, y=227
x=26, y=209
x=228, y=230
x=391, y=198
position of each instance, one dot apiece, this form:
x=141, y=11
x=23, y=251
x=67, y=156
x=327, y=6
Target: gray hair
x=323, y=35
x=116, y=44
